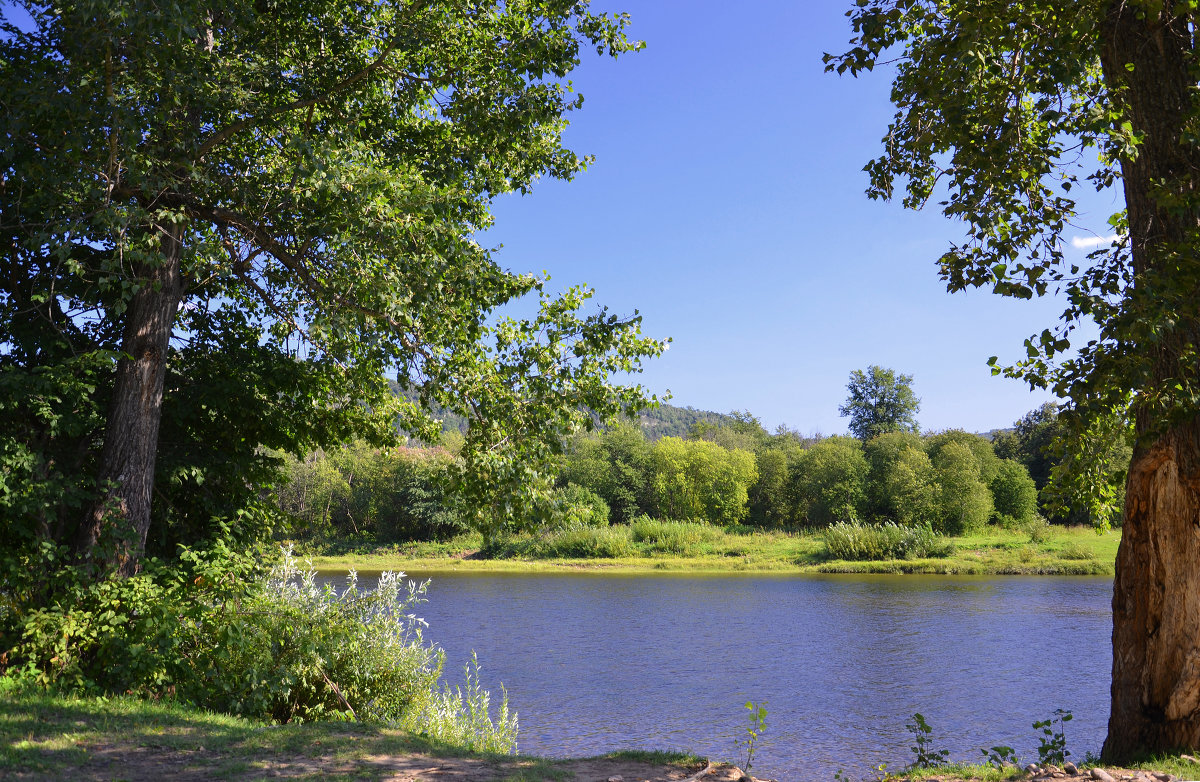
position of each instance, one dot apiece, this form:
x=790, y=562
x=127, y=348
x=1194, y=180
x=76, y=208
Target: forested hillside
x=662, y=421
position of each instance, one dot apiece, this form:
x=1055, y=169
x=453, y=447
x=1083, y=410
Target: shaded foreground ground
x=50, y=738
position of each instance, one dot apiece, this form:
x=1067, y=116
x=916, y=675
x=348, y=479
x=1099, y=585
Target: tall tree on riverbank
x=880, y=401
x=304, y=175
x=1002, y=109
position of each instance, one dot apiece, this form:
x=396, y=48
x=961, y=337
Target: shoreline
x=1062, y=552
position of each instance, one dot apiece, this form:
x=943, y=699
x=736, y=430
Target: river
x=595, y=663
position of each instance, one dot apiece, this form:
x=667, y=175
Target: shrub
x=580, y=508
x=1078, y=551
x=463, y=717
x=1037, y=528
x=700, y=479
x=219, y=632
x=861, y=542
x=295, y=651
x=673, y=537
x=585, y=543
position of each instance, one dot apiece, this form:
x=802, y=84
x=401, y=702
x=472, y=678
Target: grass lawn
x=49, y=737
x=702, y=548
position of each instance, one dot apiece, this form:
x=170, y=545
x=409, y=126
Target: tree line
x=729, y=473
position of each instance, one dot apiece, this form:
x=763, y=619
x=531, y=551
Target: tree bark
x=115, y=528
x=1148, y=63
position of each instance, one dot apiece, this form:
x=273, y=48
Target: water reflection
x=596, y=663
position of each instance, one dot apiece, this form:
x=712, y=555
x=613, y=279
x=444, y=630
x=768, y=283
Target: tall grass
x=463, y=717
x=672, y=537
x=865, y=542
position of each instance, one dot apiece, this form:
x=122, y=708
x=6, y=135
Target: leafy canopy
x=325, y=166
x=1004, y=112
x=880, y=401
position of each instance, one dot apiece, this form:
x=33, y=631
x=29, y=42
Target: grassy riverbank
x=47, y=737
x=50, y=737
x=691, y=548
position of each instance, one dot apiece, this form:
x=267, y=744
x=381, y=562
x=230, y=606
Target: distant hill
x=662, y=421
x=671, y=421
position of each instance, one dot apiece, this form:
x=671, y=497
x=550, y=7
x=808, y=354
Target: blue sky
x=726, y=204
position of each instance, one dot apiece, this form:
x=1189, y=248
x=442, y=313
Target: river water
x=595, y=663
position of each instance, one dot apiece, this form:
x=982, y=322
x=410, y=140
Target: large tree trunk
x=116, y=527
x=1156, y=604
x=1156, y=597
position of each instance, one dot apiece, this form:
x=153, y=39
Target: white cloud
x=1092, y=242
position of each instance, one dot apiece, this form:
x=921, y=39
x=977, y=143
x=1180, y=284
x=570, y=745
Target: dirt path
x=141, y=763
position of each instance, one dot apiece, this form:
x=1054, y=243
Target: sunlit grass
x=1059, y=551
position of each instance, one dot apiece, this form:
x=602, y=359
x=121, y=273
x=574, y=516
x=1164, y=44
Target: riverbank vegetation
x=706, y=549
x=728, y=496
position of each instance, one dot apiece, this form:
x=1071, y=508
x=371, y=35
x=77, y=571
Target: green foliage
x=740, y=429
x=1000, y=757
x=63, y=627
x=880, y=401
x=672, y=537
x=388, y=494
x=1052, y=741
x=580, y=543
x=1084, y=486
x=924, y=755
x=700, y=479
x=1031, y=441
x=462, y=716
x=770, y=501
x=290, y=650
x=754, y=731
x=616, y=465
x=963, y=501
x=580, y=508
x=1076, y=551
x=980, y=447
x=1014, y=493
x=830, y=481
x=900, y=484
x=874, y=542
x=665, y=420
x=287, y=289
x=1037, y=528
x=216, y=631
x=1091, y=473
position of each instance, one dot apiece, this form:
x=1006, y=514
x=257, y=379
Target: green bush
x=294, y=651
x=580, y=508
x=1037, y=528
x=863, y=542
x=218, y=632
x=584, y=543
x=673, y=537
x=1076, y=551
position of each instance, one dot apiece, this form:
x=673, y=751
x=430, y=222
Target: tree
x=964, y=503
x=899, y=483
x=830, y=482
x=1003, y=111
x=303, y=179
x=1037, y=441
x=1014, y=493
x=880, y=401
x=698, y=479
